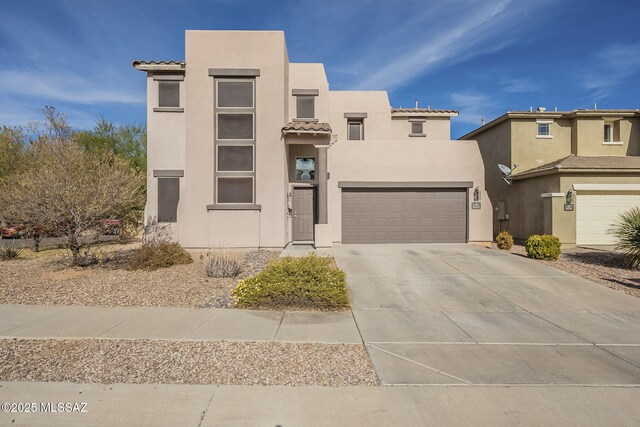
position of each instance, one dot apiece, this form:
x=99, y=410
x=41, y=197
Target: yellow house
x=567, y=173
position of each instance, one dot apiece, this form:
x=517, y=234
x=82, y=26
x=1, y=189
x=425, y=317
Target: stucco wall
x=309, y=76
x=398, y=161
x=529, y=151
x=526, y=205
x=235, y=49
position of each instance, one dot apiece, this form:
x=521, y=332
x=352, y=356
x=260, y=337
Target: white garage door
x=597, y=212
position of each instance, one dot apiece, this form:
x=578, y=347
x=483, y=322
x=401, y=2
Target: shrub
x=504, y=240
x=160, y=255
x=304, y=282
x=9, y=253
x=627, y=231
x=224, y=264
x=546, y=246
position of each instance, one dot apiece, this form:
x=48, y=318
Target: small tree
x=67, y=190
x=627, y=231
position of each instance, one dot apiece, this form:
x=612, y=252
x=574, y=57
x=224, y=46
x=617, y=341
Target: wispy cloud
x=520, y=86
x=610, y=68
x=65, y=87
x=476, y=30
x=473, y=106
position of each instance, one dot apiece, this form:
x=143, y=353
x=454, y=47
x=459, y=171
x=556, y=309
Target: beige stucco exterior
x=184, y=141
x=535, y=202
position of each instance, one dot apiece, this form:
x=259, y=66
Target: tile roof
x=422, y=110
x=158, y=65
x=306, y=127
x=587, y=163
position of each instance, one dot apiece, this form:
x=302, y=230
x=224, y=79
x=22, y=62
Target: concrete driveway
x=462, y=314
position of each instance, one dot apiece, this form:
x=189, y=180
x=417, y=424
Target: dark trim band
x=168, y=173
x=308, y=92
x=234, y=72
x=355, y=115
x=234, y=207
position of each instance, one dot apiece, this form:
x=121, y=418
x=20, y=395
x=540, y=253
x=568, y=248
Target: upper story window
x=355, y=130
x=417, y=127
x=168, y=92
x=305, y=107
x=612, y=133
x=235, y=94
x=544, y=129
x=305, y=104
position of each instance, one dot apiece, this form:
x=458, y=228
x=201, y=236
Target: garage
x=596, y=212
x=404, y=215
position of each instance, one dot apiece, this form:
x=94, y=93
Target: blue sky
x=481, y=57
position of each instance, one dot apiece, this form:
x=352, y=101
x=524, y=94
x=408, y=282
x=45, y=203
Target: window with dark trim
x=169, y=94
x=234, y=140
x=305, y=107
x=168, y=197
x=355, y=130
x=417, y=128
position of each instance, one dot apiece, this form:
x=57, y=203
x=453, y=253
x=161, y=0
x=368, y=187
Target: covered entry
x=404, y=212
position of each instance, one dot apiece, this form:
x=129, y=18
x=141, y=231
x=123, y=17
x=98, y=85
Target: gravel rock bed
x=603, y=267
x=48, y=280
x=190, y=362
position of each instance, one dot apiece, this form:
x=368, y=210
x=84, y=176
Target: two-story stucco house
x=576, y=172
x=246, y=149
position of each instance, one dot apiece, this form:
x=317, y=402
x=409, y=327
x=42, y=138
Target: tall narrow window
x=607, y=132
x=168, y=197
x=305, y=107
x=235, y=141
x=355, y=130
x=169, y=94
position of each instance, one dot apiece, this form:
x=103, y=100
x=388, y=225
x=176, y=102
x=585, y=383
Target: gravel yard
x=45, y=278
x=600, y=266
x=190, y=362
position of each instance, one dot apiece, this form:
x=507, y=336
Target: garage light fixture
x=476, y=194
x=569, y=198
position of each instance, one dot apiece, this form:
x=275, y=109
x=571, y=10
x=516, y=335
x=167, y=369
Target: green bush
x=9, y=253
x=627, y=231
x=546, y=246
x=159, y=255
x=306, y=282
x=504, y=240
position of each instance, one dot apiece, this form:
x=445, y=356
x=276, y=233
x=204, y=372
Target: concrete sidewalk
x=32, y=321
x=210, y=405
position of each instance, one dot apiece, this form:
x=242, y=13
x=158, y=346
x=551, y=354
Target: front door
x=303, y=214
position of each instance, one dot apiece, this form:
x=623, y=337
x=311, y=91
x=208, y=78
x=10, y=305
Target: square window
x=235, y=190
x=235, y=158
x=169, y=94
x=235, y=126
x=355, y=130
x=305, y=169
x=417, y=128
x=168, y=197
x=544, y=129
x=305, y=107
x=607, y=133
x=235, y=94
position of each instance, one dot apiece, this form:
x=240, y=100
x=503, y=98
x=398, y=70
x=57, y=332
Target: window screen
x=168, y=94
x=235, y=190
x=543, y=129
x=235, y=94
x=416, y=128
x=168, y=196
x=235, y=158
x=235, y=126
x=354, y=130
x=305, y=107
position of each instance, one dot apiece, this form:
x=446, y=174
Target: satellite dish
x=504, y=169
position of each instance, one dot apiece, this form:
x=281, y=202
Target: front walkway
x=32, y=321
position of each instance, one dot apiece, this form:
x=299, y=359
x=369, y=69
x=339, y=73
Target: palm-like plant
x=627, y=231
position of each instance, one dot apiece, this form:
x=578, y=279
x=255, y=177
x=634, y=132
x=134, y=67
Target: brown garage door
x=404, y=215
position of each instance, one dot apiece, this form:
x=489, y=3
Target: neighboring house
x=576, y=171
x=246, y=149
